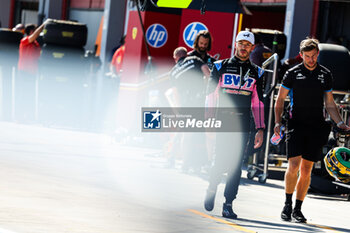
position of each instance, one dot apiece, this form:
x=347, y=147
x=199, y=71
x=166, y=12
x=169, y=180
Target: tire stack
x=63, y=48
x=9, y=46
x=63, y=72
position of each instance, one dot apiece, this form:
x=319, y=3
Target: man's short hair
x=29, y=28
x=309, y=44
x=206, y=34
x=180, y=52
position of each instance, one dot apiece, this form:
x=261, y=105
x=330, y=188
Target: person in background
x=261, y=52
x=121, y=42
x=29, y=49
x=309, y=86
x=202, y=45
x=188, y=81
x=117, y=59
x=29, y=53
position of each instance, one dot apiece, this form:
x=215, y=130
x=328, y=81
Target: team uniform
x=188, y=78
x=117, y=59
x=28, y=60
x=307, y=130
x=238, y=86
x=29, y=54
x=209, y=60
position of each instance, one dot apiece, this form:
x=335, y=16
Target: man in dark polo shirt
x=308, y=85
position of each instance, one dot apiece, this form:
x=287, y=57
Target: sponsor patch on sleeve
x=260, y=71
x=218, y=64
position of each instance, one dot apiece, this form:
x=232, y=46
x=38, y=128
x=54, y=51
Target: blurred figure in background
x=202, y=46
x=261, y=52
x=188, y=79
x=29, y=53
x=117, y=59
x=188, y=90
x=292, y=61
x=29, y=49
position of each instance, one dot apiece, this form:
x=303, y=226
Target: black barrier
x=337, y=59
x=65, y=33
x=67, y=92
x=9, y=46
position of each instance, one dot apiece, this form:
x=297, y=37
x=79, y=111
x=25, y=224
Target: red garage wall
x=136, y=54
x=220, y=26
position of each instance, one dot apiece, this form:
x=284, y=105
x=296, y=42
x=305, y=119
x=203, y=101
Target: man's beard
x=243, y=57
x=202, y=50
x=311, y=67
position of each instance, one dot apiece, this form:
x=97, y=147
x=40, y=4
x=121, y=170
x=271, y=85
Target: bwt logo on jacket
x=156, y=35
x=191, y=31
x=234, y=81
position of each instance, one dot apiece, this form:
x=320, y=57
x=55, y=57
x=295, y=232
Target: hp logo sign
x=156, y=35
x=191, y=31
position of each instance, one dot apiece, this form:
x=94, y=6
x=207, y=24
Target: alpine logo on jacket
x=300, y=76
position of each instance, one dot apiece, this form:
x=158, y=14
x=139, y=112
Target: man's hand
x=48, y=20
x=277, y=129
x=259, y=138
x=33, y=36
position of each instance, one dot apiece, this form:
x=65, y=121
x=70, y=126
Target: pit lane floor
x=57, y=181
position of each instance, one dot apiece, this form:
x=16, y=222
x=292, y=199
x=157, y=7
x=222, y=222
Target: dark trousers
x=194, y=151
x=229, y=157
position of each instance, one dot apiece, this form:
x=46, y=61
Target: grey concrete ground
x=59, y=181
